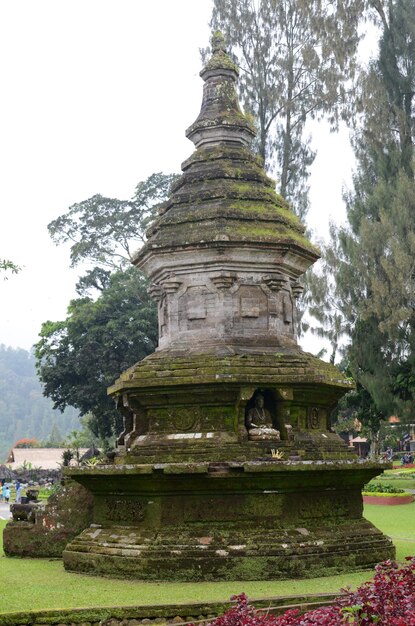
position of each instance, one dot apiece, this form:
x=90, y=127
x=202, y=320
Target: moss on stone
x=66, y=514
x=220, y=61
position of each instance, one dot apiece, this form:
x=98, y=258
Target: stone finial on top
x=220, y=61
x=221, y=119
x=218, y=42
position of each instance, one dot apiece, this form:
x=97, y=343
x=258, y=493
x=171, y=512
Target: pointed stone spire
x=224, y=241
x=221, y=120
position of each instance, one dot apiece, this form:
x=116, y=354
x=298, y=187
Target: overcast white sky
x=95, y=96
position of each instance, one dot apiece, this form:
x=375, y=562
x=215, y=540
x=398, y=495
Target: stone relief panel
x=191, y=418
x=251, y=307
x=316, y=418
x=197, y=308
x=184, y=419
x=124, y=510
x=175, y=419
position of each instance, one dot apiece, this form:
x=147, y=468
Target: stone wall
x=169, y=615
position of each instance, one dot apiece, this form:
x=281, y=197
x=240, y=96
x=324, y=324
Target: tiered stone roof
x=224, y=197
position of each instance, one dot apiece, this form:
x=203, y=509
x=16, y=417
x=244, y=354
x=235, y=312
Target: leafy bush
x=386, y=600
x=381, y=488
x=386, y=495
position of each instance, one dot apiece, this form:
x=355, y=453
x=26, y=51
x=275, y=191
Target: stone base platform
x=241, y=521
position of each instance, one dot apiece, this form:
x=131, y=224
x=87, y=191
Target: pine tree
x=295, y=58
x=373, y=258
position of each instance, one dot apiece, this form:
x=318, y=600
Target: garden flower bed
x=384, y=494
x=387, y=498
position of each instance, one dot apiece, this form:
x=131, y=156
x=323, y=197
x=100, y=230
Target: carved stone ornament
x=123, y=510
x=184, y=419
x=297, y=289
x=171, y=286
x=156, y=292
x=275, y=282
x=314, y=418
x=225, y=280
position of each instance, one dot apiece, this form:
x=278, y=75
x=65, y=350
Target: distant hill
x=24, y=411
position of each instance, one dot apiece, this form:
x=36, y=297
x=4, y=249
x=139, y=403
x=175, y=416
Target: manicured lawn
x=40, y=583
x=397, y=522
x=402, y=478
x=399, y=483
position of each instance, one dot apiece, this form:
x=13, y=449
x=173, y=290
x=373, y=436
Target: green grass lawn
x=397, y=522
x=44, y=584
x=402, y=478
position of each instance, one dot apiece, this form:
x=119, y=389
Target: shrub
x=386, y=600
x=381, y=488
x=386, y=495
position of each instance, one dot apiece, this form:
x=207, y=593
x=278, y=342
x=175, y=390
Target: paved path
x=5, y=511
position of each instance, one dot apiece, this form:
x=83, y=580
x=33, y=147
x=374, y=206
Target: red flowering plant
x=386, y=600
x=244, y=614
x=389, y=598
x=26, y=443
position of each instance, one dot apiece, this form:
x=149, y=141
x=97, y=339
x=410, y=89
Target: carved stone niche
x=261, y=412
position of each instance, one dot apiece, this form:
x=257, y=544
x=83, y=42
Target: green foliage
x=107, y=231
x=24, y=412
x=371, y=260
x=381, y=488
x=67, y=456
x=9, y=266
x=78, y=358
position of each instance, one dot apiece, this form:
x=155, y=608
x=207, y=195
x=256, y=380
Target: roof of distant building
x=44, y=458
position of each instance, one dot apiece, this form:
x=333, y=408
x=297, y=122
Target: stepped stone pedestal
x=227, y=467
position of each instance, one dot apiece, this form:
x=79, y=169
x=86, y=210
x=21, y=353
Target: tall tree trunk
x=287, y=145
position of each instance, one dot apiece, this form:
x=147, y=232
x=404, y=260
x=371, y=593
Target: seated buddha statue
x=259, y=422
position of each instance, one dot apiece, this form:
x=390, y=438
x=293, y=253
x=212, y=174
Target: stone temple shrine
x=227, y=467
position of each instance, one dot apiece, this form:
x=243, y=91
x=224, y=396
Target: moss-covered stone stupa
x=227, y=467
